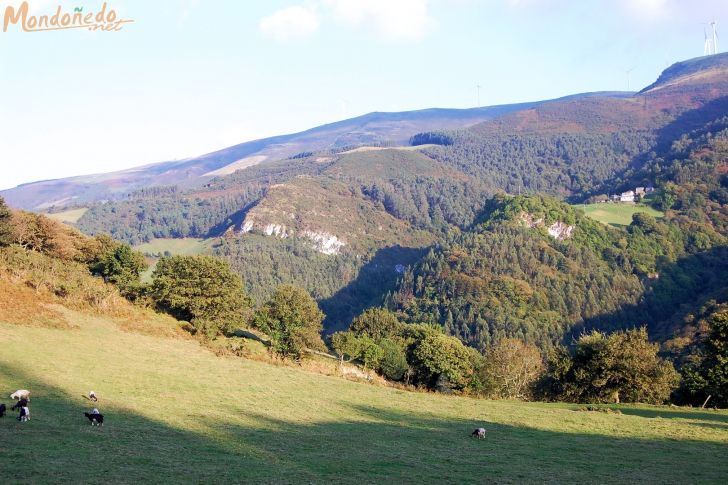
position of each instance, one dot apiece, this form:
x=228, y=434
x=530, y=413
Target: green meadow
x=616, y=214
x=183, y=246
x=175, y=412
x=69, y=216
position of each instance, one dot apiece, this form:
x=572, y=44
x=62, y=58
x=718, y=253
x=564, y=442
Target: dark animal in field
x=20, y=404
x=95, y=418
x=479, y=433
x=2, y=409
x=24, y=414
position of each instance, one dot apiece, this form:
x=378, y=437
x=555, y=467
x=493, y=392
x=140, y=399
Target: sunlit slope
x=175, y=412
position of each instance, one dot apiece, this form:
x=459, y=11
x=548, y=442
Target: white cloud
x=295, y=22
x=392, y=19
x=648, y=10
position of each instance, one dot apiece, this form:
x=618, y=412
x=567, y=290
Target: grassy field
x=616, y=214
x=176, y=413
x=184, y=246
x=71, y=216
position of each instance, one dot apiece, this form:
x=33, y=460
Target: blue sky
x=191, y=76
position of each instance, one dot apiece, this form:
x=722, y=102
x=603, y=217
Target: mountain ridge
x=373, y=128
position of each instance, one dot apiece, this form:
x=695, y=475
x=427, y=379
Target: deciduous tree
x=202, y=290
x=292, y=319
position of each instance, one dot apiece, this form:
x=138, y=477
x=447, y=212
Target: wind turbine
x=710, y=46
x=628, y=72
x=477, y=90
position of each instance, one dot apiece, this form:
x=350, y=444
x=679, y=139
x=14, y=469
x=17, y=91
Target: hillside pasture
x=174, y=412
x=182, y=246
x=70, y=216
x=187, y=246
x=616, y=214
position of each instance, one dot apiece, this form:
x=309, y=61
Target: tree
x=644, y=221
x=446, y=363
x=202, y=290
x=6, y=226
x=710, y=376
x=347, y=345
x=377, y=323
x=621, y=367
x=292, y=319
x=119, y=264
x=512, y=368
x=371, y=352
x=393, y=363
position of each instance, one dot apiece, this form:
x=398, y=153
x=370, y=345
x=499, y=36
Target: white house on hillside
x=627, y=196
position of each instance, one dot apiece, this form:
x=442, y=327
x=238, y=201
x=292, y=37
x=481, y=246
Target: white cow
x=21, y=393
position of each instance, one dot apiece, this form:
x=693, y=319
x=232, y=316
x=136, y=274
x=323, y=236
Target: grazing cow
x=479, y=433
x=24, y=414
x=20, y=404
x=96, y=418
x=20, y=394
x=2, y=409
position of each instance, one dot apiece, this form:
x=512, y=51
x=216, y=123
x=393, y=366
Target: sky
x=187, y=77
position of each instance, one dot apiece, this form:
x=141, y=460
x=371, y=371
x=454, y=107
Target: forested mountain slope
x=343, y=221
x=514, y=275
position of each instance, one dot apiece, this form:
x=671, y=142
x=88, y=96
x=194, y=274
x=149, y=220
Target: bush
x=119, y=264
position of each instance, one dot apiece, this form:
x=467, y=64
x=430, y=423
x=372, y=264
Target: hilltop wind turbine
x=628, y=72
x=710, y=46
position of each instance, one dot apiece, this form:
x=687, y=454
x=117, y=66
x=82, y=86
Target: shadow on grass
x=669, y=413
x=373, y=444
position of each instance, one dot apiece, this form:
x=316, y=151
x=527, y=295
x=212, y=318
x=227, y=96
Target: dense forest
x=566, y=164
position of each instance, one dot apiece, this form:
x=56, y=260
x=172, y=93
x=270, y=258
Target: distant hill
x=373, y=129
x=370, y=129
x=697, y=68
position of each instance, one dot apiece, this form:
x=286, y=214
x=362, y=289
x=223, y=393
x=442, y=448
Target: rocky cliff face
x=322, y=241
x=557, y=230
